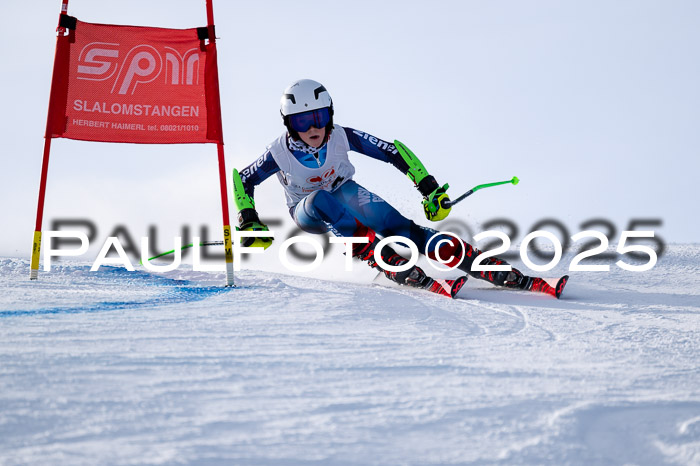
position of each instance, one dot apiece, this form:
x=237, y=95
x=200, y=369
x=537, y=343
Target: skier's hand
x=249, y=221
x=255, y=242
x=436, y=205
x=435, y=199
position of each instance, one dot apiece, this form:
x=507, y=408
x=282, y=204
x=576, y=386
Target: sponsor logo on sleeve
x=383, y=145
x=253, y=167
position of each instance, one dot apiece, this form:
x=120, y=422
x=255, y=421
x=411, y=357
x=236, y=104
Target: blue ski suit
x=338, y=208
x=322, y=197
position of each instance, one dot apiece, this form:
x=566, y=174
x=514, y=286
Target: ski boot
x=510, y=279
x=515, y=279
x=414, y=276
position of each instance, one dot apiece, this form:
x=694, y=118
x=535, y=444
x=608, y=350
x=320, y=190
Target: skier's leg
x=451, y=253
x=377, y=215
x=355, y=211
x=414, y=276
x=372, y=210
x=386, y=220
x=321, y=211
x=382, y=217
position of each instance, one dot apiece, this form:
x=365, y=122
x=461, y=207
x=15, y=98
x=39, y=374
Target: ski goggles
x=302, y=122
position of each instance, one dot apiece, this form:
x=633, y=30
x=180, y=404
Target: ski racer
x=311, y=162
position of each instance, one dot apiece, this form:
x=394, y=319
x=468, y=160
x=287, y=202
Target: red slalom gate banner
x=136, y=84
x=130, y=84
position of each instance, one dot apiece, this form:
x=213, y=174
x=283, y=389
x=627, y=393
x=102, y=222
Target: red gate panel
x=136, y=84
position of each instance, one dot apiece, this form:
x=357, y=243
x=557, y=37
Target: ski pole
x=203, y=243
x=416, y=172
x=451, y=203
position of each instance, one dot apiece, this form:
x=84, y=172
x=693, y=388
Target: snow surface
x=118, y=367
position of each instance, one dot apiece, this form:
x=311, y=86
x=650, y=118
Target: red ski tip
x=560, y=286
x=541, y=285
x=457, y=285
x=448, y=288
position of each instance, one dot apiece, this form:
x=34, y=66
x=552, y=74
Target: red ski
x=448, y=288
x=421, y=280
x=539, y=284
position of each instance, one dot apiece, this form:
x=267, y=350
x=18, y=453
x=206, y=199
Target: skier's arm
x=376, y=148
x=243, y=188
x=436, y=202
x=434, y=196
x=257, y=172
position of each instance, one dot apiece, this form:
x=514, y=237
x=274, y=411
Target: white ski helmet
x=303, y=96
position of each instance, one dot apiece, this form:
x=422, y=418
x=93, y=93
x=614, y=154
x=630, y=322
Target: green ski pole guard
x=416, y=170
x=242, y=200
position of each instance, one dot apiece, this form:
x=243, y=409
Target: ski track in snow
x=118, y=367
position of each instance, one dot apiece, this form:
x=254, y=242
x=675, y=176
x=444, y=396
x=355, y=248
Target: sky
x=595, y=106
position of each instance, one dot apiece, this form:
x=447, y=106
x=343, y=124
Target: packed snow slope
x=117, y=367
